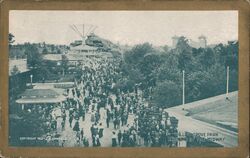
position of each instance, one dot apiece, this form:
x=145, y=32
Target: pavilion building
x=38, y=98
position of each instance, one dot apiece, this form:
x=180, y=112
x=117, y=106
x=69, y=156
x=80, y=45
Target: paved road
x=223, y=136
x=70, y=136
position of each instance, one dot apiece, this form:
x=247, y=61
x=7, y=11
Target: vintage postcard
x=114, y=79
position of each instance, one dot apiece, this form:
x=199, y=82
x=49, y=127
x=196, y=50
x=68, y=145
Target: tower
x=175, y=41
x=202, y=41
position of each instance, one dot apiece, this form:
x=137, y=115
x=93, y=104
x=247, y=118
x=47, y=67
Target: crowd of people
x=156, y=128
x=96, y=94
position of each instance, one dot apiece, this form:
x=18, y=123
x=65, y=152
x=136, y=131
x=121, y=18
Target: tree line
x=159, y=73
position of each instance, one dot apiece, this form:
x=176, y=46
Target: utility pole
x=227, y=81
x=183, y=87
x=31, y=76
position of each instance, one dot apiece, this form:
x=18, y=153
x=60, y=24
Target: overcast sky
x=125, y=27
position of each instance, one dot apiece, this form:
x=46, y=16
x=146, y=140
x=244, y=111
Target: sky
x=125, y=27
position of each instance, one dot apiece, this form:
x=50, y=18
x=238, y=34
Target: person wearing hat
x=100, y=130
x=114, y=139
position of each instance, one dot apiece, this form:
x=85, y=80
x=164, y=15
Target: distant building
x=76, y=58
x=88, y=48
x=201, y=43
x=175, y=41
x=81, y=52
x=84, y=49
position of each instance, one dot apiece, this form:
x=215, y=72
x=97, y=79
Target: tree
x=206, y=58
x=34, y=58
x=139, y=64
x=232, y=55
x=149, y=63
x=220, y=52
x=43, y=73
x=217, y=74
x=168, y=69
x=45, y=51
x=166, y=48
x=11, y=39
x=182, y=45
x=233, y=84
x=205, y=71
x=52, y=48
x=167, y=94
x=125, y=85
x=15, y=71
x=137, y=53
x=65, y=61
x=30, y=124
x=199, y=85
x=135, y=75
x=58, y=51
x=184, y=52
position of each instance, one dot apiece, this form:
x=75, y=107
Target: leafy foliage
x=11, y=38
x=167, y=94
x=34, y=58
x=65, y=61
x=161, y=74
x=29, y=124
x=14, y=70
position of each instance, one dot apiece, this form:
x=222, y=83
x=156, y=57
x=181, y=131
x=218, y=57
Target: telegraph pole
x=227, y=81
x=183, y=87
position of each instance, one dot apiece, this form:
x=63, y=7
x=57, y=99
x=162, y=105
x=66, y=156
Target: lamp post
x=183, y=87
x=227, y=82
x=60, y=64
x=31, y=76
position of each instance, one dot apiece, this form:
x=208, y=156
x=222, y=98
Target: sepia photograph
x=137, y=79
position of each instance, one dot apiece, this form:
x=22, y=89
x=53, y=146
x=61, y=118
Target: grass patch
x=218, y=111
